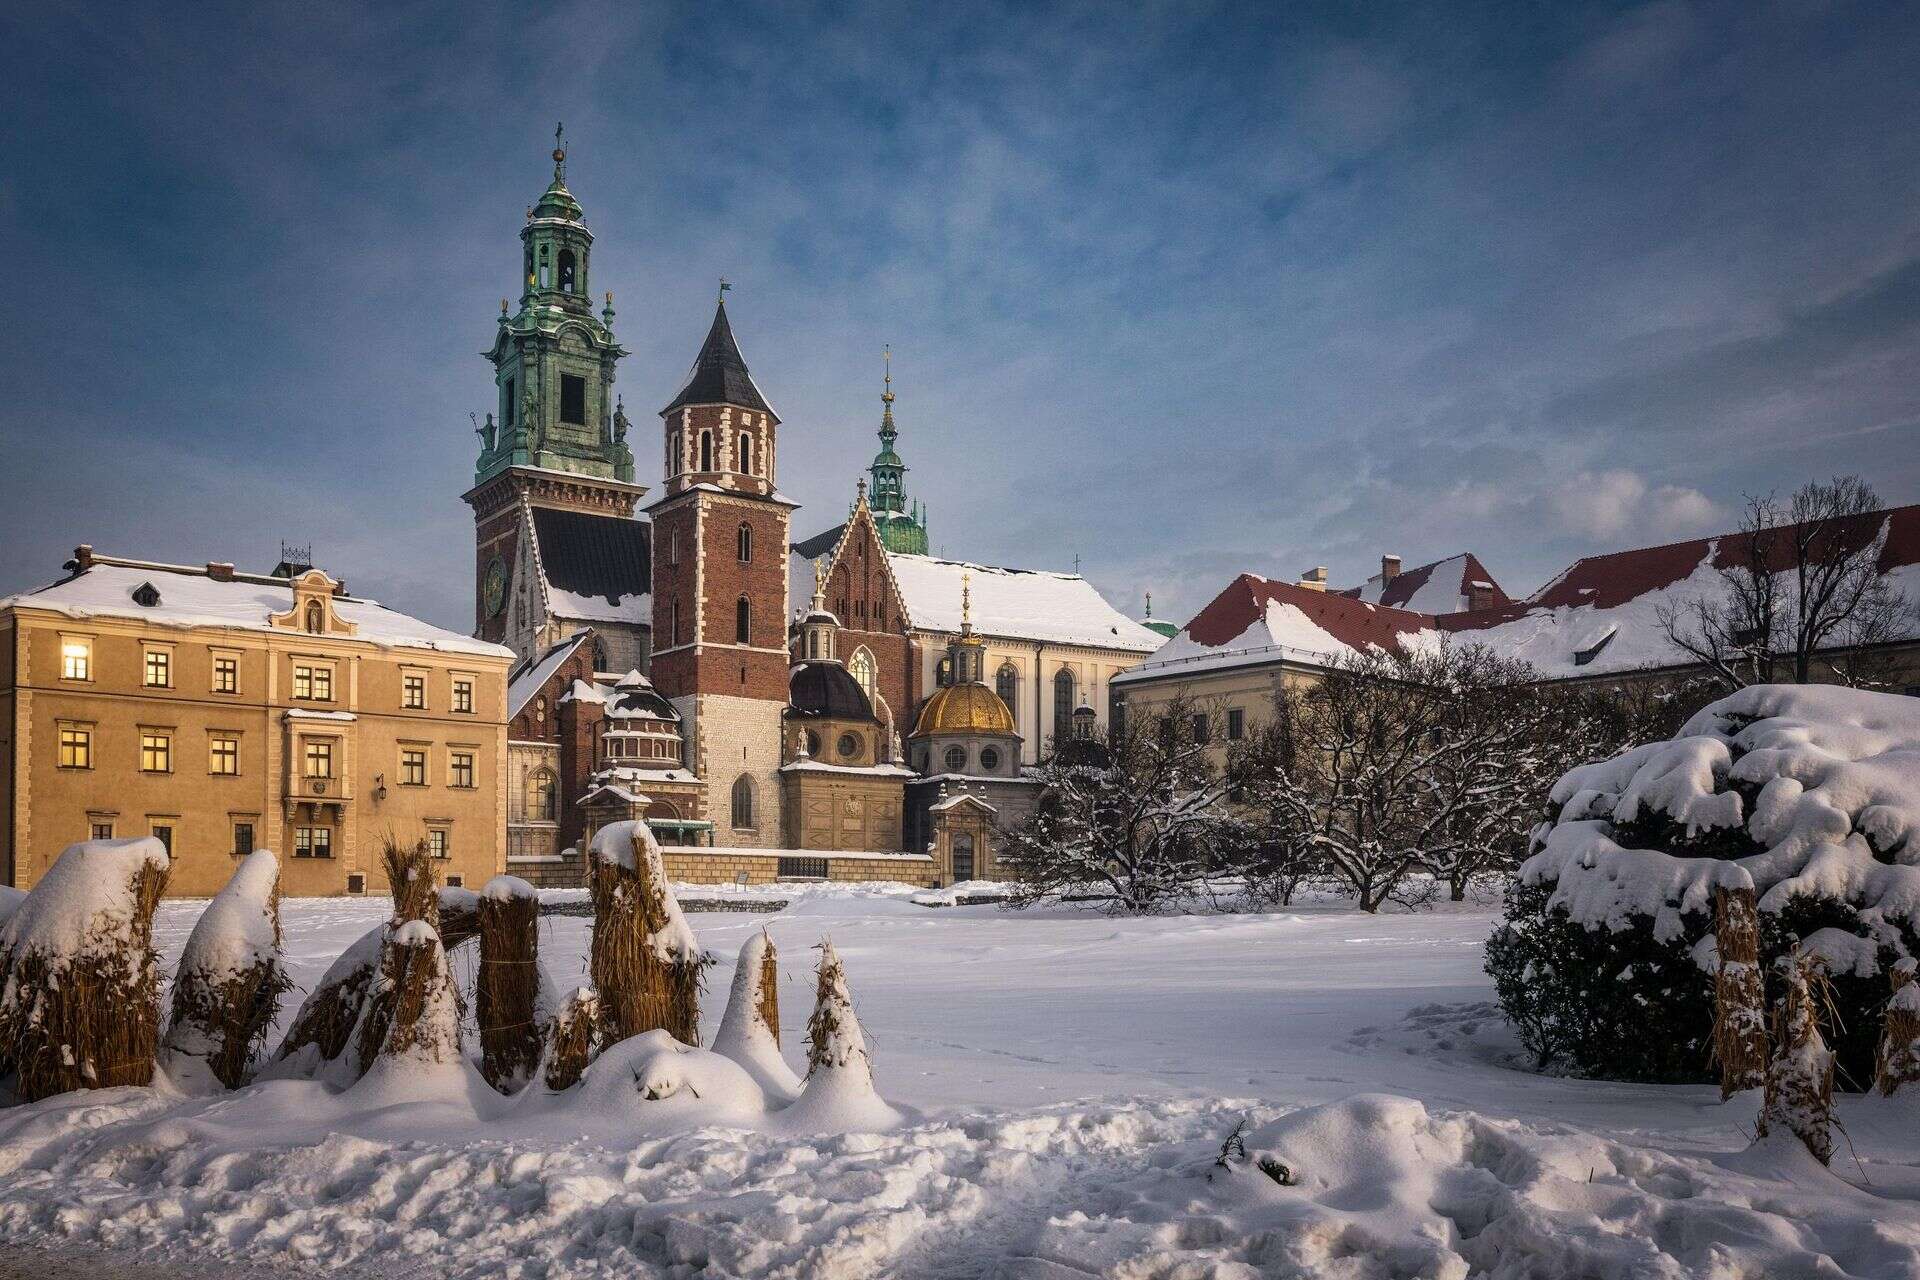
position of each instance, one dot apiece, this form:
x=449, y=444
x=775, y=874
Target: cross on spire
x=560, y=152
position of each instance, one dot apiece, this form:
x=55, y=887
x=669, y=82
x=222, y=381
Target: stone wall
x=724, y=865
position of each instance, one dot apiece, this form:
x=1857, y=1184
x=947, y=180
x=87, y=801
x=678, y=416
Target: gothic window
x=573, y=399
x=513, y=404
x=743, y=802
x=742, y=621
x=743, y=542
x=861, y=667
x=1006, y=683
x=1062, y=704
x=706, y=450
x=746, y=453
x=566, y=271
x=540, y=793
x=316, y=617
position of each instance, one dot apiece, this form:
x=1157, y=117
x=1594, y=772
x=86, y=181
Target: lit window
x=313, y=842
x=76, y=659
x=437, y=843
x=242, y=838
x=76, y=747
x=413, y=692
x=223, y=755
x=226, y=674
x=156, y=752
x=159, y=669
x=463, y=696
x=413, y=766
x=319, y=757
x=861, y=667
x=313, y=684
x=460, y=769
x=540, y=796
x=956, y=759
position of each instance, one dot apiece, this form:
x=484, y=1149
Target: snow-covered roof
x=528, y=678
x=1445, y=586
x=191, y=598
x=1030, y=604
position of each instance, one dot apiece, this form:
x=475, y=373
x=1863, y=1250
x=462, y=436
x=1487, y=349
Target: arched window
x=746, y=453
x=706, y=450
x=678, y=454
x=743, y=803
x=742, y=621
x=316, y=617
x=813, y=644
x=566, y=271
x=743, y=542
x=943, y=674
x=540, y=794
x=1062, y=704
x=1006, y=683
x=546, y=272
x=861, y=667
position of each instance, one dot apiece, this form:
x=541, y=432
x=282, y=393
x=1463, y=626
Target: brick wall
x=721, y=866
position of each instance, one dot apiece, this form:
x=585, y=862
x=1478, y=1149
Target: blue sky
x=1182, y=291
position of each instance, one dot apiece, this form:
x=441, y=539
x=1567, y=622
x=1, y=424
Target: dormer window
x=146, y=595
x=1593, y=649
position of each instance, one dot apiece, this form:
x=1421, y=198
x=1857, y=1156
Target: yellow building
x=224, y=712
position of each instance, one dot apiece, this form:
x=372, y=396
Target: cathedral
x=845, y=705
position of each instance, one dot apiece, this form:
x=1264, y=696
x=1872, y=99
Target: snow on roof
x=527, y=678
x=189, y=598
x=1440, y=587
x=1036, y=604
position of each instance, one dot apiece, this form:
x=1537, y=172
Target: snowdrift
x=1807, y=795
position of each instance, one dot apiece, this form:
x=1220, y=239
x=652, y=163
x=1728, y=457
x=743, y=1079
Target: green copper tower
x=553, y=359
x=900, y=529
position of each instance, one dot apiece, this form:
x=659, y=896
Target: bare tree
x=1139, y=817
x=1802, y=590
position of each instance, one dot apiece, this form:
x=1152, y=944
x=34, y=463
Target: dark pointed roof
x=599, y=560
x=720, y=374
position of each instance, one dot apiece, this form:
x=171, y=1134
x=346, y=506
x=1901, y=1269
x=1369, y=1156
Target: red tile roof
x=1352, y=622
x=1403, y=586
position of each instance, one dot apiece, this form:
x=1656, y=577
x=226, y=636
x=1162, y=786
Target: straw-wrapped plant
x=1739, y=992
x=644, y=960
x=423, y=1022
x=79, y=980
x=507, y=984
x=839, y=1092
x=571, y=1038
x=1799, y=1092
x=227, y=989
x=1899, y=1061
x=750, y=1031
x=412, y=961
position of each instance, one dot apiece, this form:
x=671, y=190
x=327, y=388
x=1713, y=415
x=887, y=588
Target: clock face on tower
x=493, y=588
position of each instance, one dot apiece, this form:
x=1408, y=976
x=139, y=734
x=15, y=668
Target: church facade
x=670, y=667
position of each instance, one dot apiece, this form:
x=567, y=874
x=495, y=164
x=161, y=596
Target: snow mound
x=744, y=1035
x=671, y=1081
x=84, y=905
x=236, y=939
x=1814, y=791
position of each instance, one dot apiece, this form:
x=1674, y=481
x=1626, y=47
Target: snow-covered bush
x=1808, y=795
x=79, y=980
x=227, y=989
x=839, y=1093
x=644, y=960
x=750, y=1031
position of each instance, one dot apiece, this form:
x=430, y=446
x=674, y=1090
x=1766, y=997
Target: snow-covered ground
x=1068, y=1080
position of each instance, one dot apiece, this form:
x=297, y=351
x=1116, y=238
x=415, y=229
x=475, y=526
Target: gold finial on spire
x=966, y=602
x=886, y=394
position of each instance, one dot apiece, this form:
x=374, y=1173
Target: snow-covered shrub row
x=1809, y=795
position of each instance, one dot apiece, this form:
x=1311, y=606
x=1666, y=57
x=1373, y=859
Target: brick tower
x=720, y=588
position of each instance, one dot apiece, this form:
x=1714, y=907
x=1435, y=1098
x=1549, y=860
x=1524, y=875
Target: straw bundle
x=570, y=1040
x=79, y=980
x=507, y=985
x=1899, y=1059
x=1739, y=993
x=835, y=1041
x=643, y=958
x=1799, y=1091
x=412, y=960
x=423, y=1013
x=750, y=1031
x=227, y=989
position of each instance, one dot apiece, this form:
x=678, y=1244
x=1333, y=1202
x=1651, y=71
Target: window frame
x=409, y=757
x=743, y=621
x=743, y=802
x=413, y=691
x=1236, y=724
x=463, y=761
x=216, y=739
x=228, y=665
x=462, y=695
x=246, y=825
x=156, y=745
x=313, y=842
x=69, y=644
x=318, y=676
x=81, y=746
x=99, y=830
x=439, y=843
x=320, y=749
x=152, y=656
x=949, y=764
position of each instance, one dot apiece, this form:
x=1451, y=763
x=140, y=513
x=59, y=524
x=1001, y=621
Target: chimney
x=82, y=558
x=220, y=571
x=1389, y=568
x=1479, y=596
x=1315, y=579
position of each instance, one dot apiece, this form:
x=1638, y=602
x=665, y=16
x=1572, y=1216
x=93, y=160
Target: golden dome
x=964, y=708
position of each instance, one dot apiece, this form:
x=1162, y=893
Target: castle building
x=224, y=712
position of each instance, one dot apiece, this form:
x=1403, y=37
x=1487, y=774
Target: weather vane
x=725, y=285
